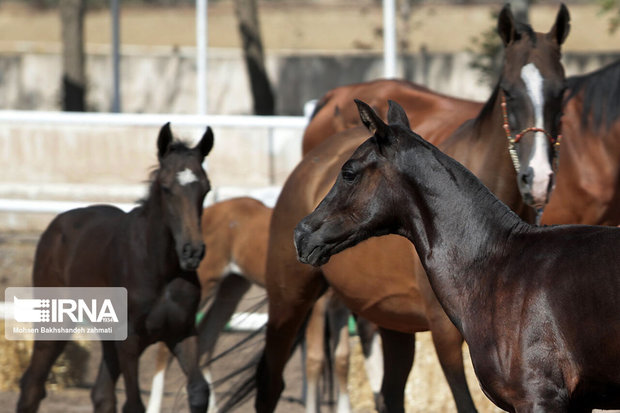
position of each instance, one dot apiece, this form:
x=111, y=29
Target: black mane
x=601, y=96
x=488, y=107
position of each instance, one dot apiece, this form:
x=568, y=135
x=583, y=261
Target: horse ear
x=206, y=143
x=163, y=140
x=397, y=115
x=561, y=27
x=371, y=120
x=506, y=26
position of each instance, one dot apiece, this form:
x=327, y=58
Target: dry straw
x=68, y=371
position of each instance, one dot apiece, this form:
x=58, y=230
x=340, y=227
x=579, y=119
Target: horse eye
x=348, y=175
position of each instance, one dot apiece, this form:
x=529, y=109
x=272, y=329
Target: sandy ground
x=426, y=391
x=16, y=252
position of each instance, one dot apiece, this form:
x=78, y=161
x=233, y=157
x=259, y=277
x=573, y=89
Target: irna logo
x=60, y=313
x=35, y=310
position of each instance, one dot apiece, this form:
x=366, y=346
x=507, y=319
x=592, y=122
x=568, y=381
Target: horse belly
x=376, y=280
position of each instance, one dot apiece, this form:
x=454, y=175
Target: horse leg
x=315, y=353
x=103, y=393
x=373, y=354
x=32, y=384
x=338, y=315
x=162, y=362
x=128, y=356
x=448, y=344
x=398, y=353
x=186, y=352
x=227, y=297
x=449, y=347
x=288, y=308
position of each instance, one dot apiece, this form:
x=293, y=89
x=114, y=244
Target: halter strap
x=555, y=142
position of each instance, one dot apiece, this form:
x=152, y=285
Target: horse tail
x=245, y=388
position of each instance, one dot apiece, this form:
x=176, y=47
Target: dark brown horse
x=395, y=293
x=588, y=185
x=153, y=251
x=542, y=336
x=236, y=232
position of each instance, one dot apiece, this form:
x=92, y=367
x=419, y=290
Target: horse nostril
x=527, y=176
x=187, y=249
x=200, y=251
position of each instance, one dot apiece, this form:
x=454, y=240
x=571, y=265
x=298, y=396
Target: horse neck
x=459, y=228
x=482, y=146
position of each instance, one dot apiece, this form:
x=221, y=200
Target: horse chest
x=170, y=311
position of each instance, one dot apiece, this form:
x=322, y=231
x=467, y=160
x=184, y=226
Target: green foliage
x=613, y=7
x=486, y=52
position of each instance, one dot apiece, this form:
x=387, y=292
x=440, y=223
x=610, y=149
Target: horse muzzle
x=191, y=255
x=536, y=188
x=309, y=249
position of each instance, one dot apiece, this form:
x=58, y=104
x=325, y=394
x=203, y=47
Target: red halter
x=555, y=142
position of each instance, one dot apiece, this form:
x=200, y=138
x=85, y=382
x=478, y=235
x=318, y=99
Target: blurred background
x=137, y=64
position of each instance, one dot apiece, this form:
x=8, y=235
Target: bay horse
x=153, y=251
x=396, y=294
x=336, y=112
x=588, y=184
x=517, y=292
x=236, y=233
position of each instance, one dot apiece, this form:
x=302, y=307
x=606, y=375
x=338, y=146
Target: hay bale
x=426, y=390
x=68, y=371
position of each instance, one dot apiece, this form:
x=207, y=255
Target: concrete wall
x=163, y=81
x=111, y=164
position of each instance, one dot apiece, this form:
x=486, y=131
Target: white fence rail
x=45, y=118
x=149, y=119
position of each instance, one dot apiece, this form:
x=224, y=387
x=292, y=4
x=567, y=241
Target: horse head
x=182, y=185
x=531, y=89
x=365, y=193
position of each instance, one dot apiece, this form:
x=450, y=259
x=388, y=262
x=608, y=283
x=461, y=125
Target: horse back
x=236, y=233
x=72, y=250
x=433, y=115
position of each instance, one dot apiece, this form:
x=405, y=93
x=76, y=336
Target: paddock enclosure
x=52, y=161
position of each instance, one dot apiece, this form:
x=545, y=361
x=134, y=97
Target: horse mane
x=483, y=195
x=524, y=28
x=488, y=107
x=601, y=91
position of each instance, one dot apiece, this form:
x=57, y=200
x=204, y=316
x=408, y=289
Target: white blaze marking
x=186, y=176
x=539, y=159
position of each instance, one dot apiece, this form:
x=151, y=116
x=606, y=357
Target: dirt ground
x=426, y=391
x=16, y=255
